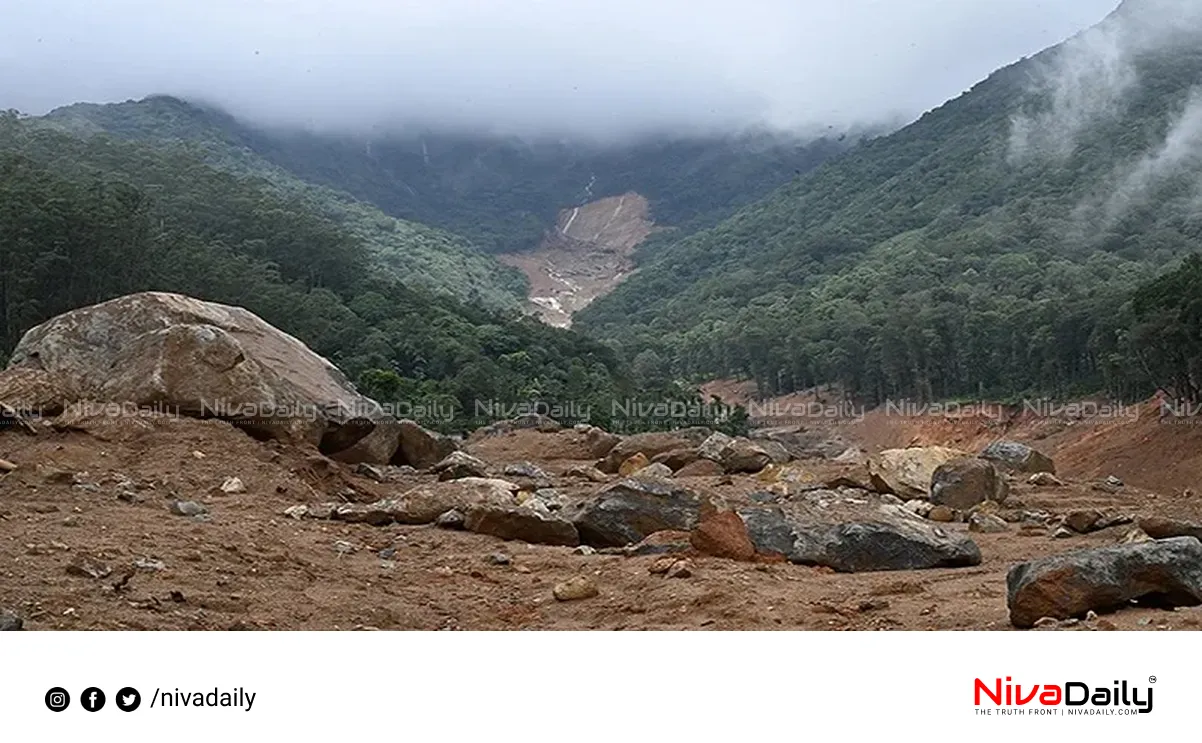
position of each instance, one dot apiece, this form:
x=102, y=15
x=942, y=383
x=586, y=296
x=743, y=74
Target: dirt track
x=250, y=567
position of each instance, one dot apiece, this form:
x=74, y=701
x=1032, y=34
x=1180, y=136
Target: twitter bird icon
x=128, y=699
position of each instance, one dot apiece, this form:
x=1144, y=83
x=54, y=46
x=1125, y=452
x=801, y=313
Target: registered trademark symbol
x=1151, y=679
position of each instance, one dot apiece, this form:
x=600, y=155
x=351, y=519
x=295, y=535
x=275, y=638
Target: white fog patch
x=1180, y=152
x=1085, y=84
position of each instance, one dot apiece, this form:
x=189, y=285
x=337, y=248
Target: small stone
x=701, y=468
x=919, y=507
x=198, y=455
x=343, y=547
x=370, y=472
x=1063, y=532
x=143, y=563
x=585, y=550
x=680, y=569
x=387, y=553
x=1114, y=481
x=72, y=520
x=10, y=621
x=1106, y=625
x=499, y=558
x=296, y=512
x=662, y=565
x=1135, y=536
x=7, y=466
x=186, y=508
x=88, y=566
x=1047, y=623
x=872, y=605
x=1045, y=480
x=575, y=589
x=233, y=485
x=444, y=571
x=587, y=473
x=723, y=535
x=633, y=464
x=656, y=470
x=1091, y=616
x=942, y=514
x=1144, y=622
x=1083, y=521
x=452, y=519
x=987, y=523
x=525, y=469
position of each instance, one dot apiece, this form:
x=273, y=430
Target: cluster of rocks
x=846, y=530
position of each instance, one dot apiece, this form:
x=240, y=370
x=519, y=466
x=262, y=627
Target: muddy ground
x=104, y=492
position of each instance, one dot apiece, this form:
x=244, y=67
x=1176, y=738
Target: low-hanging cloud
x=1092, y=77
x=587, y=67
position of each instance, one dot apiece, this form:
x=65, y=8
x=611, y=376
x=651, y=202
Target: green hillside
x=413, y=253
x=989, y=248
x=501, y=193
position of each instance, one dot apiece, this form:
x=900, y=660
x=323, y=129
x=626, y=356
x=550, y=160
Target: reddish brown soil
x=1133, y=442
x=251, y=567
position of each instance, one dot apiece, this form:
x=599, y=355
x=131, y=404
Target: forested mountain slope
x=989, y=248
x=416, y=254
x=502, y=193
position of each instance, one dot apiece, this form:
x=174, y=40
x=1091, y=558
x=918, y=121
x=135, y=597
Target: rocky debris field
x=170, y=523
x=128, y=501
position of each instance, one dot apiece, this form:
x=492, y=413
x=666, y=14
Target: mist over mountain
x=990, y=248
x=588, y=68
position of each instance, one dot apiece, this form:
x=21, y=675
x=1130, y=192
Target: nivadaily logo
x=1069, y=698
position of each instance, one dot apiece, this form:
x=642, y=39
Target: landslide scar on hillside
x=586, y=255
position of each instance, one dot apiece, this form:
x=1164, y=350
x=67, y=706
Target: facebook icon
x=92, y=699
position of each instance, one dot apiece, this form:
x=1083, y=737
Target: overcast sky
x=524, y=66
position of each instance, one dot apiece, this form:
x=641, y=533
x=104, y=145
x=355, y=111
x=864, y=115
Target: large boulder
x=649, y=445
x=907, y=473
x=531, y=421
x=735, y=454
x=802, y=443
x=37, y=392
x=459, y=464
x=1016, y=457
x=677, y=458
x=1159, y=527
x=964, y=483
x=855, y=533
x=600, y=442
x=1166, y=573
x=521, y=523
x=421, y=448
x=723, y=534
x=189, y=357
x=424, y=504
x=630, y=510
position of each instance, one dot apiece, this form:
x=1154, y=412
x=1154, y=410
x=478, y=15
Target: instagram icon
x=57, y=699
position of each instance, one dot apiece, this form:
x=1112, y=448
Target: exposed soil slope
x=1089, y=439
x=585, y=256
